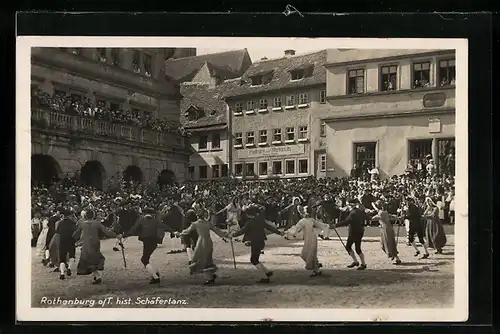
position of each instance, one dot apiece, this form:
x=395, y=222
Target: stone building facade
x=95, y=150
x=386, y=109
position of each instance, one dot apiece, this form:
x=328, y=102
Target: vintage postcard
x=241, y=179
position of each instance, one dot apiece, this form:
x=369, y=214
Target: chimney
x=263, y=58
x=289, y=53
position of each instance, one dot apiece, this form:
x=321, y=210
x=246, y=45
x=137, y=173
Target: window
x=297, y=74
x=277, y=102
x=263, y=104
x=263, y=136
x=277, y=168
x=322, y=162
x=356, y=81
x=277, y=135
x=136, y=61
x=250, y=139
x=250, y=105
x=446, y=72
x=421, y=74
x=191, y=172
x=290, y=167
x=224, y=171
x=59, y=93
x=303, y=98
x=238, y=169
x=76, y=51
x=115, y=57
x=215, y=171
x=290, y=100
x=216, y=140
x=76, y=98
x=101, y=54
x=262, y=168
x=147, y=64
x=388, y=75
x=256, y=80
x=419, y=149
x=238, y=107
x=322, y=129
x=238, y=139
x=250, y=169
x=203, y=142
x=446, y=156
x=290, y=134
x=114, y=106
x=302, y=132
x=322, y=96
x=365, y=154
x=203, y=172
x=303, y=166
x=102, y=104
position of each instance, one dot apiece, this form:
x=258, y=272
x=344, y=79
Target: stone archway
x=44, y=169
x=166, y=178
x=93, y=174
x=134, y=174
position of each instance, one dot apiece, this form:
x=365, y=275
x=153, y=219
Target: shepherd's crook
x=338, y=235
x=232, y=250
x=123, y=254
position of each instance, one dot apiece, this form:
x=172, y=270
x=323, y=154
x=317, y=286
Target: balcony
x=49, y=121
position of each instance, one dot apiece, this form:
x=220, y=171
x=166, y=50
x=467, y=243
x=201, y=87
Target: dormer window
x=193, y=113
x=257, y=80
x=297, y=75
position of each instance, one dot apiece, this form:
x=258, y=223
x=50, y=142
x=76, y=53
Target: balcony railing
x=94, y=127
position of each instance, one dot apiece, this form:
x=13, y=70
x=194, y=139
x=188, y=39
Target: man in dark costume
x=147, y=228
x=414, y=216
x=67, y=249
x=255, y=232
x=355, y=220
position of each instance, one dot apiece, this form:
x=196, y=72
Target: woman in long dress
x=434, y=230
x=202, y=261
x=91, y=259
x=387, y=235
x=54, y=247
x=42, y=240
x=309, y=251
x=233, y=211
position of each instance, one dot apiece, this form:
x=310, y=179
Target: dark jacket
x=413, y=214
x=147, y=228
x=355, y=220
x=255, y=229
x=66, y=228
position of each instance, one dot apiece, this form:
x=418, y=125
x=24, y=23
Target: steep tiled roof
x=230, y=62
x=207, y=100
x=280, y=70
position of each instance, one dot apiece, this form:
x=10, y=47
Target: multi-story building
x=203, y=109
x=270, y=109
x=386, y=109
x=122, y=82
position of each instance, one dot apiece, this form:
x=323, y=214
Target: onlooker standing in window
x=431, y=168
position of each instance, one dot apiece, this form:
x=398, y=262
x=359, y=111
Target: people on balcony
x=62, y=103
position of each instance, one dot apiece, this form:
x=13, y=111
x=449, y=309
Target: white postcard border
x=24, y=311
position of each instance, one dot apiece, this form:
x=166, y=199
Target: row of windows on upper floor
x=388, y=74
x=142, y=63
x=291, y=102
x=292, y=135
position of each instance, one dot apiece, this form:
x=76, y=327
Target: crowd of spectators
x=75, y=106
x=129, y=199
